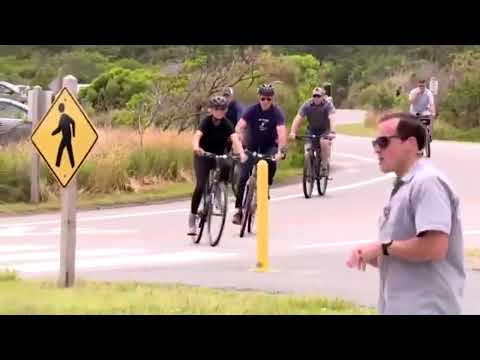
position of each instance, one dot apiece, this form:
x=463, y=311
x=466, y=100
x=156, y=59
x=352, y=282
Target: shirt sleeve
x=280, y=117
x=204, y=125
x=229, y=127
x=247, y=116
x=432, y=206
x=303, y=111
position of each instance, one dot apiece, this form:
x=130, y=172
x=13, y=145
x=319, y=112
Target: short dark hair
x=408, y=126
x=422, y=81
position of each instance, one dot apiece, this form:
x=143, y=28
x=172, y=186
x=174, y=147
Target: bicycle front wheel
x=217, y=212
x=428, y=148
x=246, y=209
x=308, y=177
x=322, y=181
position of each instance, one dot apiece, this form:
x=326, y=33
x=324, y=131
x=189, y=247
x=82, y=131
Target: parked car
x=15, y=92
x=13, y=109
x=14, y=123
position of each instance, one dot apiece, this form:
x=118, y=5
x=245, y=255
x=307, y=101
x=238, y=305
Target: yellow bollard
x=262, y=216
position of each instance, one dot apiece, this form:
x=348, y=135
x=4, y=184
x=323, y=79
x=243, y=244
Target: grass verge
x=137, y=298
x=170, y=191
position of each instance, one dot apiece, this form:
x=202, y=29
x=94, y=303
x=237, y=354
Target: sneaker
x=192, y=225
x=237, y=218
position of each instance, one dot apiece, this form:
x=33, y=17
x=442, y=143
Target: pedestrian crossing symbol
x=64, y=137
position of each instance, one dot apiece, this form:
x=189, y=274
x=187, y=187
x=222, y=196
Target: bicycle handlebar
x=223, y=156
x=260, y=156
x=328, y=137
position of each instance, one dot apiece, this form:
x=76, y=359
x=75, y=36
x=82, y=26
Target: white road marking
x=25, y=247
x=347, y=243
x=23, y=231
x=142, y=260
x=340, y=188
x=356, y=157
x=53, y=255
x=333, y=244
x=81, y=219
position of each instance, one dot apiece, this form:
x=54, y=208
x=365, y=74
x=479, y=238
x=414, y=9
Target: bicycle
x=249, y=206
x=234, y=176
x=215, y=200
x=426, y=120
x=312, y=167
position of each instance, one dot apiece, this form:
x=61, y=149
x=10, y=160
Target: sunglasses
x=265, y=99
x=384, y=141
x=221, y=108
x=317, y=96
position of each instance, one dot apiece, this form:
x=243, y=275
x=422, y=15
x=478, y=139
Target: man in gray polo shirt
x=319, y=113
x=420, y=248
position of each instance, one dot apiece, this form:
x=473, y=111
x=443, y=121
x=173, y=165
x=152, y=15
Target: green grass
x=441, y=131
x=91, y=201
x=355, y=130
x=41, y=297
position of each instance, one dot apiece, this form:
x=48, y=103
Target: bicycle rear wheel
x=217, y=212
x=203, y=216
x=234, y=177
x=322, y=181
x=247, y=204
x=308, y=177
x=428, y=149
x=253, y=211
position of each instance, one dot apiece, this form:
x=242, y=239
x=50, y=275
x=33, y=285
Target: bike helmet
x=218, y=102
x=266, y=90
x=228, y=91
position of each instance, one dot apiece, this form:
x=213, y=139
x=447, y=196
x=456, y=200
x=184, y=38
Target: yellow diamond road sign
x=64, y=137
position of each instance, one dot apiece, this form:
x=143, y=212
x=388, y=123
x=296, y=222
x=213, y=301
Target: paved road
x=309, y=239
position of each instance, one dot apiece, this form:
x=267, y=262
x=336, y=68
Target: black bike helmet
x=266, y=90
x=218, y=102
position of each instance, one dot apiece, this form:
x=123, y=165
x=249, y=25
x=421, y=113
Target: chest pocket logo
x=263, y=124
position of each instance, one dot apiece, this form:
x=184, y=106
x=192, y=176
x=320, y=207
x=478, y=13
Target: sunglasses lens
x=382, y=142
x=266, y=99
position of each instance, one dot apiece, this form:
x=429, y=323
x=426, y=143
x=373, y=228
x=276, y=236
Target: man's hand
x=292, y=136
x=243, y=157
x=363, y=255
x=198, y=150
x=279, y=156
x=371, y=252
x=355, y=260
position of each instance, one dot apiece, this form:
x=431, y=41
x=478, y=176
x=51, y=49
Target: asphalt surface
x=309, y=238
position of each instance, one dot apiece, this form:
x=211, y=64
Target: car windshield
x=11, y=111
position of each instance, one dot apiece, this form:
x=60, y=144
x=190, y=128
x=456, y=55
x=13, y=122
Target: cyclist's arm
x=412, y=97
x=237, y=145
x=297, y=122
x=196, y=140
x=331, y=118
x=282, y=137
x=240, y=129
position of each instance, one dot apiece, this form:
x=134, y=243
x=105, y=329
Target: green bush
x=15, y=168
x=378, y=97
x=114, y=88
x=461, y=107
x=166, y=163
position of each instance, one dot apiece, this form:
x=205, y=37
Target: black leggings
x=247, y=167
x=202, y=168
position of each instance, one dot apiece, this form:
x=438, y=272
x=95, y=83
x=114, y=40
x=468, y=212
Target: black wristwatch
x=385, y=247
